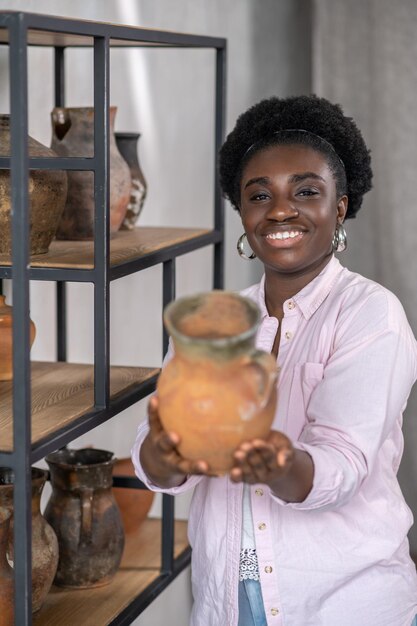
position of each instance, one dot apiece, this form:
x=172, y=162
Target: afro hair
x=256, y=127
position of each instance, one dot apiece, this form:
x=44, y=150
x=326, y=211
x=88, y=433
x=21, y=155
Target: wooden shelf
x=62, y=393
x=125, y=246
x=98, y=607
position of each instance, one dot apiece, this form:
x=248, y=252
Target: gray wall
x=168, y=97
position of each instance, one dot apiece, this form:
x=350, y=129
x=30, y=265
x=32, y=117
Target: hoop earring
x=241, y=251
x=339, y=242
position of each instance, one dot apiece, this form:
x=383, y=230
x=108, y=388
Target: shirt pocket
x=306, y=377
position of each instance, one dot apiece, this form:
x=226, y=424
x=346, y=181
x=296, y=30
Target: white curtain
x=365, y=58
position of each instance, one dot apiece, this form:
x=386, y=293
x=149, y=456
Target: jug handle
x=266, y=367
x=86, y=516
x=61, y=122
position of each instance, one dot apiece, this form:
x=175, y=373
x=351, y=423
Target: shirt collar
x=312, y=295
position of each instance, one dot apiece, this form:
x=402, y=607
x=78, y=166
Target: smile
x=287, y=234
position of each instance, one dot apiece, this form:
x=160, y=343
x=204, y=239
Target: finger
x=192, y=467
x=167, y=442
x=153, y=413
x=256, y=461
x=284, y=457
x=236, y=475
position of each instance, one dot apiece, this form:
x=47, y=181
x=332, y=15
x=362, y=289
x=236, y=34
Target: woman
x=311, y=522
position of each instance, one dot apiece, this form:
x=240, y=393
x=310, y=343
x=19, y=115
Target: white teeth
x=285, y=235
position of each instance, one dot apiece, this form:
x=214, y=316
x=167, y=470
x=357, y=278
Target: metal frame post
x=101, y=223
x=220, y=111
x=21, y=343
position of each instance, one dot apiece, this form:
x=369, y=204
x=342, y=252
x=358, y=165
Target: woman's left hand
x=263, y=460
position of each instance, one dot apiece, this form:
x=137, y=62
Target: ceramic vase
x=47, y=194
x=6, y=573
x=134, y=504
x=128, y=148
x=84, y=514
x=6, y=339
x=218, y=390
x=73, y=135
x=44, y=541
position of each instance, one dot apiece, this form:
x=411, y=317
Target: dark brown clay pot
x=6, y=339
x=6, y=573
x=84, y=514
x=44, y=541
x=128, y=148
x=218, y=390
x=73, y=135
x=47, y=194
x=134, y=504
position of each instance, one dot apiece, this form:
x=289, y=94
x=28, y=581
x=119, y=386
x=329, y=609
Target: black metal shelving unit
x=18, y=30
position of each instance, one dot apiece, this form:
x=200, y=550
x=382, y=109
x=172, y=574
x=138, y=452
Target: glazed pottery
x=44, y=541
x=6, y=573
x=134, y=504
x=6, y=339
x=218, y=390
x=128, y=148
x=73, y=135
x=47, y=194
x=85, y=516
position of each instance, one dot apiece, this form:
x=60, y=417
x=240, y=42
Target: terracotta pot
x=73, y=135
x=218, y=390
x=47, y=194
x=44, y=541
x=134, y=504
x=6, y=339
x=128, y=148
x=84, y=514
x=6, y=573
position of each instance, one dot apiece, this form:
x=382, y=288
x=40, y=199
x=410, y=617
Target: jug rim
x=57, y=458
x=217, y=342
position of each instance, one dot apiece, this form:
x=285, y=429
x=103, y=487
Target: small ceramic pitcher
x=6, y=573
x=73, y=135
x=44, y=541
x=84, y=514
x=218, y=390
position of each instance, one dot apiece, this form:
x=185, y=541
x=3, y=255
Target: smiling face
x=289, y=209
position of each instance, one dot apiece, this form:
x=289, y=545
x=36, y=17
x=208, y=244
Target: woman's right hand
x=159, y=456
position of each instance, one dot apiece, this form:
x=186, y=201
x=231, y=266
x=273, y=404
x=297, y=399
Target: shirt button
x=288, y=335
x=274, y=611
x=259, y=492
x=291, y=305
x=261, y=526
x=268, y=569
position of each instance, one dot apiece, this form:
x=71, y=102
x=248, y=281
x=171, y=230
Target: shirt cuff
x=333, y=483
x=188, y=484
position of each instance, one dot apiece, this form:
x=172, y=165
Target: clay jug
x=134, y=504
x=44, y=541
x=47, y=194
x=128, y=148
x=85, y=516
x=218, y=390
x=6, y=339
x=73, y=135
x=6, y=573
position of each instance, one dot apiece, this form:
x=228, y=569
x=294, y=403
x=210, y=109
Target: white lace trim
x=248, y=567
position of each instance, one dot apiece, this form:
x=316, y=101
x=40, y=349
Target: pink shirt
x=347, y=362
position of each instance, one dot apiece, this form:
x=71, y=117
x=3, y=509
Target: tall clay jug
x=6, y=339
x=73, y=135
x=218, y=390
x=47, y=194
x=6, y=573
x=85, y=516
x=44, y=541
x=128, y=148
